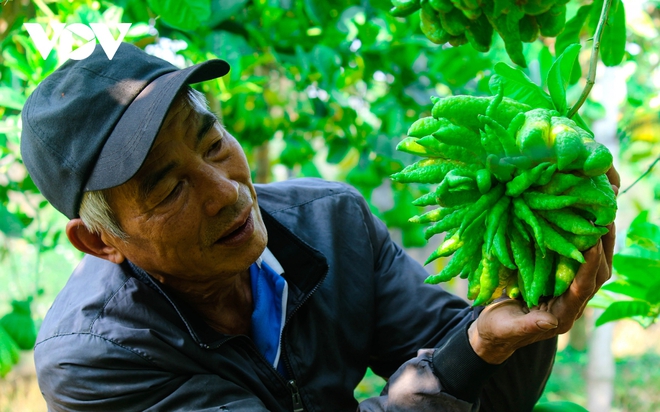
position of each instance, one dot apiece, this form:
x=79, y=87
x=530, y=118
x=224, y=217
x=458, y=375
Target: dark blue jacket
x=114, y=339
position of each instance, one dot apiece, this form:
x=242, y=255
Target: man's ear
x=91, y=243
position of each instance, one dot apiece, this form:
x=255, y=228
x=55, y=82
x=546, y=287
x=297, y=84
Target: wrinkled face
x=191, y=211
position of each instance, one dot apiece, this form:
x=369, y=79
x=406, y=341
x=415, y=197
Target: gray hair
x=95, y=210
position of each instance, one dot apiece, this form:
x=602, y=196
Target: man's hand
x=507, y=325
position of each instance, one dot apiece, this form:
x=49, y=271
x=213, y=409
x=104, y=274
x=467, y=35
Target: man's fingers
x=613, y=177
x=609, y=239
x=584, y=283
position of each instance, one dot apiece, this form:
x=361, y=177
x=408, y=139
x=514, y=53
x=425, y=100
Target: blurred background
x=327, y=89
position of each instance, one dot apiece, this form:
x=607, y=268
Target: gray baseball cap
x=91, y=123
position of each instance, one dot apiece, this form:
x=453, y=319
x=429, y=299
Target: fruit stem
x=593, y=61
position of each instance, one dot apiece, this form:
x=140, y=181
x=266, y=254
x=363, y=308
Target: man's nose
x=217, y=190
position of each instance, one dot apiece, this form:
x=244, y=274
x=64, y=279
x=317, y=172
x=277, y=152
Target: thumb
x=540, y=321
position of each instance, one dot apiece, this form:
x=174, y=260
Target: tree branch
x=593, y=61
x=657, y=159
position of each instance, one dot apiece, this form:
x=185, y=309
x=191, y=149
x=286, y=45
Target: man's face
x=191, y=211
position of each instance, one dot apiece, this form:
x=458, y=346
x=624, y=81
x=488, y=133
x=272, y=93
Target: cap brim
x=130, y=141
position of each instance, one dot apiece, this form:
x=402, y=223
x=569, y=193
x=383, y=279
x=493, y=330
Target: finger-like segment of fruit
x=542, y=201
x=581, y=242
x=458, y=40
x=450, y=221
x=474, y=277
x=590, y=194
x=599, y=160
x=568, y=144
x=424, y=126
x=403, y=8
x=463, y=110
x=450, y=152
x=502, y=170
x=546, y=175
x=524, y=259
x=560, y=183
x=500, y=247
x=434, y=215
x=453, y=134
x=604, y=185
x=431, y=170
x=537, y=7
x=570, y=221
x=602, y=215
x=409, y=145
x=427, y=199
x=491, y=143
x=512, y=288
x=543, y=265
x=529, y=29
x=482, y=205
x=520, y=227
x=524, y=180
x=479, y=32
x=497, y=212
x=554, y=241
x=566, y=270
x=472, y=244
x=451, y=243
x=507, y=141
x=524, y=213
x=454, y=22
x=458, y=198
x=520, y=162
x=484, y=180
x=505, y=274
x=533, y=138
x=444, y=6
x=552, y=22
x=489, y=279
x=431, y=26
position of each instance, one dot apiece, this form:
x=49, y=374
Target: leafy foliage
x=638, y=276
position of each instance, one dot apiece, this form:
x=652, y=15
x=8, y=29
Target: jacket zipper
x=295, y=396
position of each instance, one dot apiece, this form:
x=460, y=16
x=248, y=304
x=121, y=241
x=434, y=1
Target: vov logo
x=64, y=33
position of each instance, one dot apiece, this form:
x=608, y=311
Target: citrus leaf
x=10, y=225
x=572, y=29
x=518, y=86
x=653, y=293
x=182, y=15
x=613, y=43
x=625, y=287
x=560, y=75
x=624, y=309
x=11, y=99
x=559, y=406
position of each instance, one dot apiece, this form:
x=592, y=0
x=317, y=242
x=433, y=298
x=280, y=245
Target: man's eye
x=174, y=193
x=214, y=149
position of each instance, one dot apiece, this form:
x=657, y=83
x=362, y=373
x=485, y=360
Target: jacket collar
x=304, y=270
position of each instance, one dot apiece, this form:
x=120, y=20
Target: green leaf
x=558, y=406
x=643, y=270
x=624, y=287
x=572, y=29
x=653, y=293
x=182, y=15
x=559, y=77
x=518, y=86
x=11, y=99
x=10, y=225
x=337, y=150
x=613, y=42
x=624, y=309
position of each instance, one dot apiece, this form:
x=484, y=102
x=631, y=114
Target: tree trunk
x=600, y=370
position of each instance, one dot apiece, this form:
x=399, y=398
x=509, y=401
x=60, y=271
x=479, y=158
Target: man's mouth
x=238, y=234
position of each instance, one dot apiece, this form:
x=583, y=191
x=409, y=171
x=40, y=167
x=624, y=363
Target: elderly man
x=202, y=291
